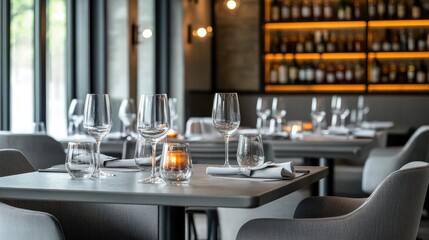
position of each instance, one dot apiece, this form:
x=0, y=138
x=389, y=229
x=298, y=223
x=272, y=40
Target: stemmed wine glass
x=263, y=110
x=317, y=113
x=173, y=111
x=153, y=123
x=127, y=114
x=76, y=113
x=344, y=113
x=226, y=117
x=98, y=121
x=278, y=112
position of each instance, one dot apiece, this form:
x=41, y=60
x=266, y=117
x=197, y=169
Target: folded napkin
x=364, y=133
x=128, y=163
x=267, y=170
x=377, y=125
x=338, y=131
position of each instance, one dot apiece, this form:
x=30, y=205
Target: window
x=56, y=68
x=21, y=65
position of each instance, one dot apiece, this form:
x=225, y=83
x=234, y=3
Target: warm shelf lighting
x=316, y=88
x=398, y=87
x=315, y=25
x=398, y=23
x=199, y=33
x=231, y=4
x=393, y=55
x=316, y=56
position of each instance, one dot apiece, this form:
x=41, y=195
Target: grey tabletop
x=124, y=189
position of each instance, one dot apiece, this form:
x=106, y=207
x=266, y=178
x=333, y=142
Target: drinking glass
x=127, y=114
x=80, y=161
x=278, y=112
x=143, y=154
x=76, y=113
x=263, y=110
x=250, y=152
x=153, y=123
x=98, y=121
x=226, y=117
x=317, y=113
x=176, y=163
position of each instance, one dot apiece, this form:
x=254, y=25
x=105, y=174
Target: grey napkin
x=128, y=163
x=267, y=170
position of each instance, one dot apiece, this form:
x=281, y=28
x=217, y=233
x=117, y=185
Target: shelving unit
x=276, y=61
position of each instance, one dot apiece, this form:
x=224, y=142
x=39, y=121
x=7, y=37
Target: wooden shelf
x=398, y=87
x=397, y=23
x=315, y=56
x=315, y=25
x=316, y=88
x=397, y=55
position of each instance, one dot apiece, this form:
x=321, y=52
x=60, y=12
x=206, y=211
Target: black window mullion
x=5, y=65
x=97, y=24
x=162, y=46
x=40, y=60
x=70, y=52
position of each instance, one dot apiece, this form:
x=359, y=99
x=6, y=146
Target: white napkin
x=364, y=133
x=268, y=170
x=338, y=131
x=377, y=125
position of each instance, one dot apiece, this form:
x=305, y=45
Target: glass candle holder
x=176, y=163
x=295, y=129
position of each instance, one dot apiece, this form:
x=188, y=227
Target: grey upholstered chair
x=41, y=150
x=383, y=161
x=392, y=211
x=23, y=224
x=85, y=220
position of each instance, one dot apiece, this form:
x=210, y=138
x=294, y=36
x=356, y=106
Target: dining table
x=172, y=200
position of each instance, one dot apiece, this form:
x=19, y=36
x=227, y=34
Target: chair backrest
x=393, y=210
x=41, y=150
x=417, y=146
x=13, y=162
x=22, y=224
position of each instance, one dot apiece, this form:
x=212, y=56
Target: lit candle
x=176, y=160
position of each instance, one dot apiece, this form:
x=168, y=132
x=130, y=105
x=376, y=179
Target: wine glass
x=278, y=112
x=76, y=113
x=263, y=110
x=127, y=114
x=317, y=112
x=153, y=123
x=344, y=113
x=226, y=117
x=98, y=121
x=335, y=109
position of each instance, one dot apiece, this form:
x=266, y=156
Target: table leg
x=328, y=186
x=171, y=223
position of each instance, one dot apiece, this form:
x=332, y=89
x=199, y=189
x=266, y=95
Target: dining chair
x=392, y=211
x=85, y=220
x=383, y=161
x=23, y=224
x=42, y=151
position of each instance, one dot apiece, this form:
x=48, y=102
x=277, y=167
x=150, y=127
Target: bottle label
x=416, y=12
x=285, y=13
x=275, y=14
x=327, y=12
x=401, y=10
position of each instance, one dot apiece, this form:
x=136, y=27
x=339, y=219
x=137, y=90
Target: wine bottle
x=306, y=10
x=393, y=72
x=309, y=43
x=309, y=73
x=421, y=74
x=320, y=73
x=274, y=73
x=317, y=10
x=348, y=73
x=284, y=48
x=356, y=10
x=411, y=73
x=391, y=9
x=384, y=78
x=331, y=45
x=296, y=11
x=318, y=41
x=416, y=9
x=330, y=73
x=283, y=74
x=293, y=72
x=341, y=10
x=402, y=75
x=285, y=11
x=274, y=42
x=300, y=44
x=386, y=45
x=396, y=45
x=359, y=43
x=327, y=10
x=376, y=45
x=275, y=10
x=411, y=45
x=339, y=73
x=381, y=9
x=359, y=71
x=375, y=71
x=348, y=15
x=401, y=9
x=421, y=41
x=371, y=9
x=301, y=73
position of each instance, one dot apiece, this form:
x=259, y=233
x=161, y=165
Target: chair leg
x=192, y=230
x=212, y=224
